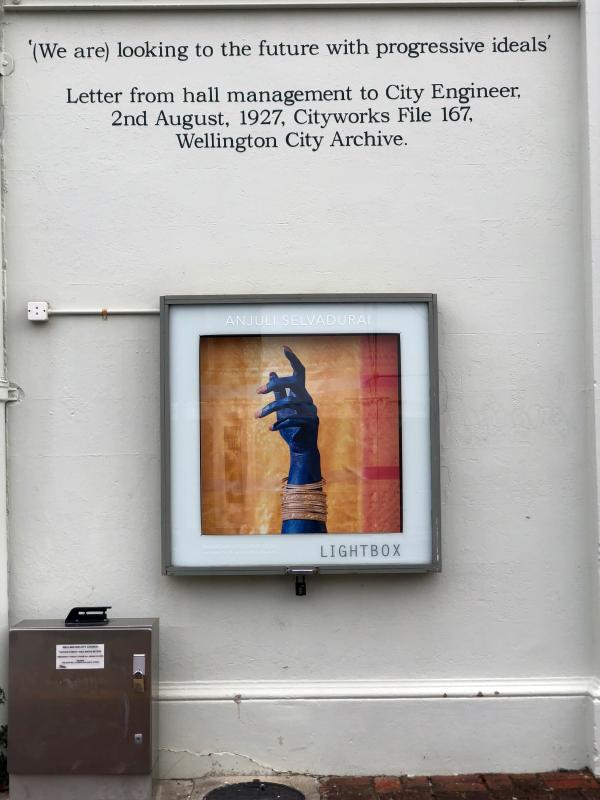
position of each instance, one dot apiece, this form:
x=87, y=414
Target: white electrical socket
x=37, y=311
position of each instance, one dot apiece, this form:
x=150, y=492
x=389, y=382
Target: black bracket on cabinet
x=87, y=615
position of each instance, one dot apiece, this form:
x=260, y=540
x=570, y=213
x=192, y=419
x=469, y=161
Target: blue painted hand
x=298, y=424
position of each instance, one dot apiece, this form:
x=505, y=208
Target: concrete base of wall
x=378, y=728
x=75, y=787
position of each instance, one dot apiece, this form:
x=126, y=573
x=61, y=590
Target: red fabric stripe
x=391, y=473
x=381, y=472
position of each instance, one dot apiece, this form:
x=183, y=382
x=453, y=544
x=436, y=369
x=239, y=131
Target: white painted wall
x=491, y=217
x=591, y=187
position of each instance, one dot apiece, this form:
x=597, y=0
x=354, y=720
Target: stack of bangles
x=304, y=501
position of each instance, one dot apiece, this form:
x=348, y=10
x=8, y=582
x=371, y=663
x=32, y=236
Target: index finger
x=297, y=365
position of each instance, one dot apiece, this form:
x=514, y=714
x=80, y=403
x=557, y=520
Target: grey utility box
x=82, y=710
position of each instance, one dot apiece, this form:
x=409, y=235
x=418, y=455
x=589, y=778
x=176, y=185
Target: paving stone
x=569, y=780
x=449, y=795
x=482, y=794
x=416, y=793
x=457, y=783
x=416, y=781
x=526, y=782
x=386, y=784
x=498, y=782
x=174, y=790
x=534, y=794
x=565, y=794
x=343, y=788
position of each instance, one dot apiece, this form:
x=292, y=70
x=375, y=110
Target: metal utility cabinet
x=82, y=710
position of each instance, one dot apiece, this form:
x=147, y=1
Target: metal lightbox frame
x=167, y=302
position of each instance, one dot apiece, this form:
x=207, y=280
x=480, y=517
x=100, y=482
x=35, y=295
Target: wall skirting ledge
x=369, y=727
x=576, y=686
x=186, y=5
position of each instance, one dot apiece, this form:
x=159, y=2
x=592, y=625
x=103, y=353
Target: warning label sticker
x=79, y=656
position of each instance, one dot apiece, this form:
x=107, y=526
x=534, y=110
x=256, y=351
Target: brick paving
x=561, y=785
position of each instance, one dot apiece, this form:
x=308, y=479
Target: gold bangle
x=304, y=515
x=303, y=487
x=304, y=501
